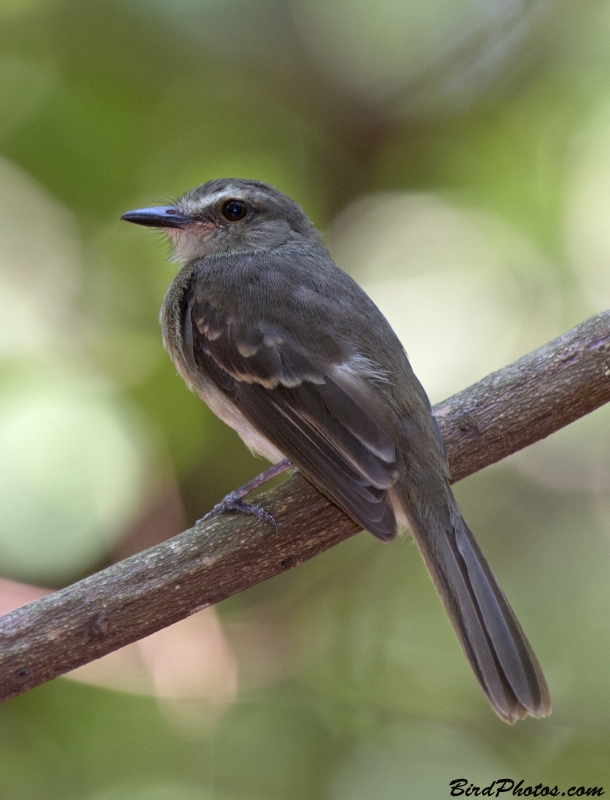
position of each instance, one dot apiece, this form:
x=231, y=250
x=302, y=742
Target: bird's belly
x=226, y=410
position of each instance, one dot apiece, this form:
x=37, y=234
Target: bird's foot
x=234, y=501
x=231, y=503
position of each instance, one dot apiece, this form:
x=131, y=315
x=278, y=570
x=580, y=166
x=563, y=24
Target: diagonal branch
x=510, y=409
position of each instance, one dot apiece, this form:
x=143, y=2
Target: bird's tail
x=493, y=641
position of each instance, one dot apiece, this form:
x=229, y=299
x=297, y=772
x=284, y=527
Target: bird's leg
x=234, y=501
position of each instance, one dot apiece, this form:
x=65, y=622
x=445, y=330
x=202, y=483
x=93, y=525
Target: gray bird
x=290, y=352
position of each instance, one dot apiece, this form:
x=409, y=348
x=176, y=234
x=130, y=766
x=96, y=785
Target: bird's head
x=226, y=216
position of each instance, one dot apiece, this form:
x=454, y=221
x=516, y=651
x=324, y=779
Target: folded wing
x=325, y=418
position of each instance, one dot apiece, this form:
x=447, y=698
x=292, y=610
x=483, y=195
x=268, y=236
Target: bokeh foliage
x=457, y=155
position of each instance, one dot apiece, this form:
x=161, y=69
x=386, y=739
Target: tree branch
x=508, y=410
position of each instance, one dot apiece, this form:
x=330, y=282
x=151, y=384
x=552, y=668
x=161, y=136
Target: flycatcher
x=290, y=352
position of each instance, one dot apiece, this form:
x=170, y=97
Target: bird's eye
x=234, y=210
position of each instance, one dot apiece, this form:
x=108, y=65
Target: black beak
x=159, y=217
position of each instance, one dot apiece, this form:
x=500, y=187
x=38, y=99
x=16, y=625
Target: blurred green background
x=456, y=153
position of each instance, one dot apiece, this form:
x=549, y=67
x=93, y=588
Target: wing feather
x=329, y=427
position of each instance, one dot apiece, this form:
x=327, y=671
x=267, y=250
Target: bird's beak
x=158, y=217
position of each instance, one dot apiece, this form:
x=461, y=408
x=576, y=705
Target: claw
x=234, y=504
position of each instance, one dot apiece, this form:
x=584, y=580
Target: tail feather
x=493, y=641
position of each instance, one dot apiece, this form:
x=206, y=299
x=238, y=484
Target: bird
x=291, y=352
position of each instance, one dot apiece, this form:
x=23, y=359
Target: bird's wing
x=325, y=418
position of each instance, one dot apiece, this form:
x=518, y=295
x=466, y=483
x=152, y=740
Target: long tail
x=496, y=647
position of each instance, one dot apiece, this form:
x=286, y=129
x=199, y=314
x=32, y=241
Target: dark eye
x=234, y=210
